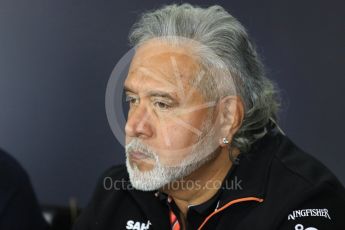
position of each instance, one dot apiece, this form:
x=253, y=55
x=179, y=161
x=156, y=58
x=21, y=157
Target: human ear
x=231, y=115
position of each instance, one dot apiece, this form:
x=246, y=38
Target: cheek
x=181, y=137
x=177, y=138
x=181, y=132
x=181, y=128
x=176, y=146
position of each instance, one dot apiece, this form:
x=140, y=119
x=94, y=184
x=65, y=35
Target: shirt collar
x=203, y=209
x=248, y=176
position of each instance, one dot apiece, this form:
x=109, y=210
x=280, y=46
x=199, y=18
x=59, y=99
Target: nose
x=138, y=123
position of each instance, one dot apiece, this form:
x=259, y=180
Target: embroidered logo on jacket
x=137, y=225
x=301, y=227
x=309, y=212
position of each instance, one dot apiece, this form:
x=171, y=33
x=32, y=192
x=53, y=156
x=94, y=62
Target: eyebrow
x=156, y=93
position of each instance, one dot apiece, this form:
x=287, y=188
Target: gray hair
x=224, y=35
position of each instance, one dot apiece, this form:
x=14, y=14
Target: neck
x=215, y=170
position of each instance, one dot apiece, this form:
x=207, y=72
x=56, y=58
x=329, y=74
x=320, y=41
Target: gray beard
x=203, y=151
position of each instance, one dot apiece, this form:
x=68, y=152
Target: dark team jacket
x=281, y=188
x=19, y=209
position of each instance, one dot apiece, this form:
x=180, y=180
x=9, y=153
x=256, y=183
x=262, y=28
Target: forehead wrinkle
x=151, y=73
x=168, y=92
x=155, y=64
x=148, y=53
x=145, y=72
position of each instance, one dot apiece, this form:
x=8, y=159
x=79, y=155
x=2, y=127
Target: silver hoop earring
x=225, y=141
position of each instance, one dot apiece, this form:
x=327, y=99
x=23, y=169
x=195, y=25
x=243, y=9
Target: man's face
x=168, y=116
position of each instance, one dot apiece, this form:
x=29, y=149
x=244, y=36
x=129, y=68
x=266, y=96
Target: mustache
x=136, y=145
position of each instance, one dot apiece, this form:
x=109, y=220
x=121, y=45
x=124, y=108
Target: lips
x=136, y=155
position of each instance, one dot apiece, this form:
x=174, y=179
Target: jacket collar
x=249, y=174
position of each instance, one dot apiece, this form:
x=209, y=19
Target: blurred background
x=56, y=58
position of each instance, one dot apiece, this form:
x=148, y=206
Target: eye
x=161, y=105
x=132, y=100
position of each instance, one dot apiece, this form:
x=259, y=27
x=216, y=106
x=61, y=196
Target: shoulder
x=18, y=203
x=313, y=196
x=111, y=180
x=12, y=175
x=304, y=171
x=108, y=193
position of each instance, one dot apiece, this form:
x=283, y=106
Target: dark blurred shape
x=19, y=208
x=60, y=217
